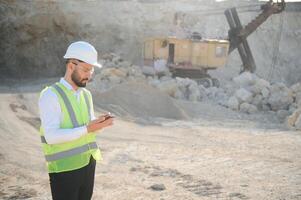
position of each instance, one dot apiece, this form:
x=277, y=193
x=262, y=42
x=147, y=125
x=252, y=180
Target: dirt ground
x=209, y=157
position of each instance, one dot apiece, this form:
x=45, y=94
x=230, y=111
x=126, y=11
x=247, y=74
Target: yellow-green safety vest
x=74, y=154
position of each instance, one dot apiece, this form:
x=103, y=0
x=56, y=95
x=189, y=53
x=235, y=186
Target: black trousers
x=73, y=185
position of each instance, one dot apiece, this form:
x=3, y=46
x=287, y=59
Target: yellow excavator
x=192, y=57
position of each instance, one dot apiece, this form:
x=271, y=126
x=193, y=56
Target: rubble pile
x=254, y=94
x=116, y=71
x=247, y=92
x=188, y=89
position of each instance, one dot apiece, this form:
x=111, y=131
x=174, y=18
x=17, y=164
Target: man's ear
x=70, y=66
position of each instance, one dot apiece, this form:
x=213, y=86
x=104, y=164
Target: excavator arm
x=238, y=34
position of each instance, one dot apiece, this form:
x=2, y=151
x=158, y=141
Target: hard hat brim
x=94, y=64
x=97, y=65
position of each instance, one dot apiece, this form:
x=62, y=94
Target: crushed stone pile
x=138, y=99
x=117, y=71
x=246, y=93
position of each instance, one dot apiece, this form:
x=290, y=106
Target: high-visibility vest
x=74, y=154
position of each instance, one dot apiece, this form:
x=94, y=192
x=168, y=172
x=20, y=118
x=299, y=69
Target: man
x=68, y=127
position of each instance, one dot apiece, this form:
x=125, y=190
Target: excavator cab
x=187, y=57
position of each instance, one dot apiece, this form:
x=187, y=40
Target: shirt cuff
x=80, y=131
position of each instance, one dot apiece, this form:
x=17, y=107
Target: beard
x=77, y=80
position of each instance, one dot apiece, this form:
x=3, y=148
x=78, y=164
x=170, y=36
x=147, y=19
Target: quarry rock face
x=33, y=40
x=35, y=34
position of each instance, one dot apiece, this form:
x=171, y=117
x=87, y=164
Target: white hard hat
x=82, y=51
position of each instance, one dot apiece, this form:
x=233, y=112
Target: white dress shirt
x=51, y=117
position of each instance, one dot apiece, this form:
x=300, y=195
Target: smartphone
x=108, y=117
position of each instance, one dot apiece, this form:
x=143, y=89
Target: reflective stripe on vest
x=71, y=152
x=43, y=140
x=68, y=105
x=88, y=104
x=69, y=108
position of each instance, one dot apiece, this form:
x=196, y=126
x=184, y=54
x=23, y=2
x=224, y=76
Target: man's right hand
x=99, y=123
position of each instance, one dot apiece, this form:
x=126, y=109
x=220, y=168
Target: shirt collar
x=69, y=86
